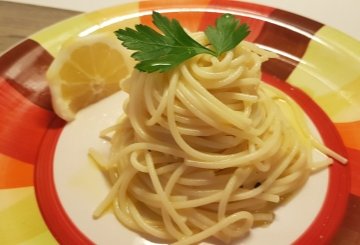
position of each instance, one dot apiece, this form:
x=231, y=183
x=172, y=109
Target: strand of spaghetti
x=320, y=165
x=235, y=181
x=213, y=74
x=151, y=199
x=205, y=191
x=177, y=136
x=328, y=151
x=123, y=200
x=214, y=142
x=138, y=113
x=254, y=70
x=136, y=164
x=230, y=78
x=152, y=147
x=124, y=216
x=263, y=166
x=240, y=159
x=140, y=166
x=248, y=205
x=270, y=178
x=108, y=199
x=222, y=79
x=198, y=154
x=168, y=189
x=299, y=115
x=136, y=90
x=170, y=228
x=199, y=201
x=223, y=96
x=174, y=178
x=234, y=117
x=179, y=220
x=98, y=159
x=189, y=99
x=155, y=113
x=300, y=163
x=143, y=224
x=246, y=216
x=104, y=133
x=120, y=186
x=167, y=168
x=268, y=117
x=202, y=222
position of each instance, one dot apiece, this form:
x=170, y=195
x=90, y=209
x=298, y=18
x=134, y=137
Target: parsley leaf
x=161, y=52
x=226, y=34
x=157, y=52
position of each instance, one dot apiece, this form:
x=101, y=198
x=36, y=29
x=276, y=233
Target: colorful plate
x=319, y=68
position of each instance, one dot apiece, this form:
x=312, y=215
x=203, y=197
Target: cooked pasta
x=205, y=150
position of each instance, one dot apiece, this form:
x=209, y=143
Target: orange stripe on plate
x=195, y=21
x=15, y=173
x=350, y=133
x=255, y=22
x=190, y=20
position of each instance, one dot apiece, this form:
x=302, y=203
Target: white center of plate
x=81, y=186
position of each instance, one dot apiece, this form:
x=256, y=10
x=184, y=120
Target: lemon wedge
x=86, y=70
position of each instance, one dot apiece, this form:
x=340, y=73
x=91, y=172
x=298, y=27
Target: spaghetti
x=205, y=150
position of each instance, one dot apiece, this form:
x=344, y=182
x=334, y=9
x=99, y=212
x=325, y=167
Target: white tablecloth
x=341, y=14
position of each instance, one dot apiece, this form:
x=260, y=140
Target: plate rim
x=84, y=14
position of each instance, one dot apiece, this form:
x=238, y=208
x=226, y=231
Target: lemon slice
x=86, y=70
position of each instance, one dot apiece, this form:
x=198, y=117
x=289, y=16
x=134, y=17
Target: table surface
x=18, y=21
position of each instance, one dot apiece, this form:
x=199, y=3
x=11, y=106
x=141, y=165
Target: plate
x=47, y=187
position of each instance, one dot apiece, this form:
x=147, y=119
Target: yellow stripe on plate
x=51, y=38
x=113, y=18
x=44, y=238
x=109, y=19
x=330, y=74
x=9, y=197
x=22, y=221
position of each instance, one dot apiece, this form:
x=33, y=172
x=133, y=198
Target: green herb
x=226, y=34
x=161, y=52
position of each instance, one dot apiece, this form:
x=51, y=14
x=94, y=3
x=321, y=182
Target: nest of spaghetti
x=204, y=150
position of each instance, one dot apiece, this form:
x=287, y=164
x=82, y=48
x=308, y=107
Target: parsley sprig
x=161, y=52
